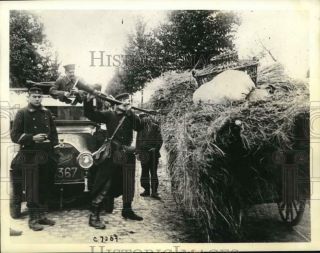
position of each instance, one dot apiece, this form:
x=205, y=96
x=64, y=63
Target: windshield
x=67, y=112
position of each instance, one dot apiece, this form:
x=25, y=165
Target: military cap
x=69, y=67
x=122, y=96
x=35, y=90
x=97, y=86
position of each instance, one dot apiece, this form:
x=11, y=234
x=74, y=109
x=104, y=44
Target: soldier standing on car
x=64, y=85
x=116, y=175
x=34, y=129
x=148, y=145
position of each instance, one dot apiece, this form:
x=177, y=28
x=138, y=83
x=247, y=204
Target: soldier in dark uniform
x=117, y=175
x=64, y=85
x=148, y=145
x=100, y=133
x=99, y=105
x=34, y=129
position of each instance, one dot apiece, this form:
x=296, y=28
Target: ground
x=163, y=222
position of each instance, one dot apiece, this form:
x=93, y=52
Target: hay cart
x=223, y=62
x=288, y=168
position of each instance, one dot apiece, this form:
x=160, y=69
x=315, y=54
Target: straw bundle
x=218, y=168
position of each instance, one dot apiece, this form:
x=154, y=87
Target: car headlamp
x=238, y=122
x=85, y=160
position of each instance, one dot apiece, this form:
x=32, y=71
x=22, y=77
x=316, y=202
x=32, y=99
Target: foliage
x=116, y=86
x=188, y=37
x=141, y=63
x=30, y=56
x=191, y=35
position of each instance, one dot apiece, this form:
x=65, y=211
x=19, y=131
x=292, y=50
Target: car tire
x=15, y=209
x=15, y=194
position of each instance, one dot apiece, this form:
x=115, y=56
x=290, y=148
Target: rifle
x=96, y=93
x=81, y=86
x=48, y=85
x=40, y=84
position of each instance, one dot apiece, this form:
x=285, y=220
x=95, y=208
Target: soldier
x=148, y=145
x=64, y=85
x=100, y=133
x=99, y=105
x=34, y=129
x=117, y=175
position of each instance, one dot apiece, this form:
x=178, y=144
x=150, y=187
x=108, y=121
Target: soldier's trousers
x=149, y=165
x=115, y=178
x=36, y=181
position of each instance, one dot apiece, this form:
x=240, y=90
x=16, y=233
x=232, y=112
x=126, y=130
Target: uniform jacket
x=149, y=137
x=30, y=121
x=124, y=135
x=112, y=167
x=62, y=85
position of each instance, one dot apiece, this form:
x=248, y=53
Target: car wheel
x=15, y=208
x=15, y=194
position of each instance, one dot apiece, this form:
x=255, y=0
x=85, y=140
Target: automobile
x=78, y=139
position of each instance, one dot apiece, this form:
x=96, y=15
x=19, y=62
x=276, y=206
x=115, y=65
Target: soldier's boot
x=43, y=220
x=145, y=193
x=94, y=219
x=14, y=232
x=155, y=195
x=34, y=220
x=34, y=225
x=128, y=213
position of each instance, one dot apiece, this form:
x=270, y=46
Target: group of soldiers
x=35, y=131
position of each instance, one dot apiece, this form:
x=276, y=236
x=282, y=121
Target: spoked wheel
x=294, y=192
x=291, y=212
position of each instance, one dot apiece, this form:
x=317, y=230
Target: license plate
x=69, y=174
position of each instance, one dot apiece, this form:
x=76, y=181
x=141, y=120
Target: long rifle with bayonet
x=84, y=87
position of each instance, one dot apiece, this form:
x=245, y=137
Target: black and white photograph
x=180, y=127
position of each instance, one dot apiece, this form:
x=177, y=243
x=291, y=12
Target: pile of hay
x=215, y=171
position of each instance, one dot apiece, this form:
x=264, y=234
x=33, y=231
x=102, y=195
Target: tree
x=115, y=85
x=188, y=38
x=142, y=52
x=193, y=35
x=30, y=52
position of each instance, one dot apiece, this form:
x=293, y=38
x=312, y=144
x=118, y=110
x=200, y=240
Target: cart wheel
x=291, y=212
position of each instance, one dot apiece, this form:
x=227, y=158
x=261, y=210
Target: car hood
x=83, y=142
x=64, y=127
